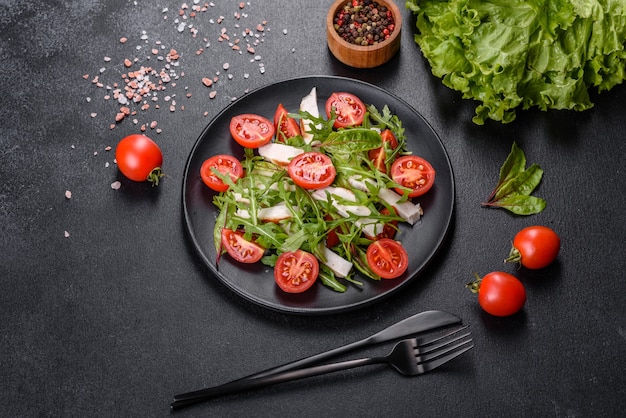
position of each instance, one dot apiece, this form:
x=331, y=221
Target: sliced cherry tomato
x=499, y=293
x=414, y=173
x=378, y=156
x=139, y=158
x=225, y=164
x=239, y=248
x=332, y=238
x=349, y=109
x=387, y=258
x=312, y=170
x=535, y=247
x=296, y=271
x=251, y=131
x=285, y=126
x=389, y=229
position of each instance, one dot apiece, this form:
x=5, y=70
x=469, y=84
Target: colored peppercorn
x=364, y=22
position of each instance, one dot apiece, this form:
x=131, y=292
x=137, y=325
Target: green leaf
x=349, y=141
x=515, y=185
x=523, y=184
x=523, y=53
x=520, y=204
x=513, y=165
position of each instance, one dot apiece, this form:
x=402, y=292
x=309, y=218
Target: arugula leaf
x=515, y=185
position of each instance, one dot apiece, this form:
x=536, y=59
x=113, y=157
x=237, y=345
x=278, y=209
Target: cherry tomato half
x=499, y=293
x=349, y=109
x=139, y=158
x=387, y=258
x=239, y=248
x=225, y=164
x=535, y=247
x=285, y=126
x=378, y=156
x=312, y=170
x=296, y=271
x=414, y=173
x=251, y=131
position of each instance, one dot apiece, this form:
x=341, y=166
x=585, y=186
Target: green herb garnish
x=516, y=183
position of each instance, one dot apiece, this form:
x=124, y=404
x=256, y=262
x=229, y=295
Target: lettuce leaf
x=508, y=54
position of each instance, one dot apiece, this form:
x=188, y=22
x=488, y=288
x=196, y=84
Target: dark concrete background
x=115, y=318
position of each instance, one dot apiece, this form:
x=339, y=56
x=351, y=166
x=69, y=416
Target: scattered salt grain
x=68, y=194
x=66, y=234
x=116, y=185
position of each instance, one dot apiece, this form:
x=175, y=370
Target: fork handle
x=246, y=384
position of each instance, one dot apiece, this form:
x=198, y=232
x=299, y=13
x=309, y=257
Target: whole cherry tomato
x=535, y=247
x=499, y=293
x=296, y=271
x=414, y=173
x=139, y=158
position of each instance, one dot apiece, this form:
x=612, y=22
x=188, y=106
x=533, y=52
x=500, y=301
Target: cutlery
x=411, y=357
x=423, y=321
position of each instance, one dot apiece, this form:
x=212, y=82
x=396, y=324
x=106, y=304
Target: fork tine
x=442, y=359
x=444, y=349
x=428, y=341
x=431, y=348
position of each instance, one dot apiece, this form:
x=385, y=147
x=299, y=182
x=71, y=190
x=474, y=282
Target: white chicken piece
x=339, y=265
x=371, y=227
x=270, y=214
x=309, y=104
x=279, y=154
x=409, y=211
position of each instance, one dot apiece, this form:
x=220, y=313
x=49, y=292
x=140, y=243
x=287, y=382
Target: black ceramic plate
x=255, y=283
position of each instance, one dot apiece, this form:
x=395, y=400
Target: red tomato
x=387, y=258
x=225, y=164
x=296, y=271
x=389, y=229
x=535, y=247
x=499, y=293
x=285, y=126
x=349, y=109
x=240, y=248
x=139, y=158
x=378, y=155
x=312, y=170
x=251, y=131
x=332, y=238
x=414, y=173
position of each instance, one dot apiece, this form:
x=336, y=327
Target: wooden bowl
x=363, y=56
